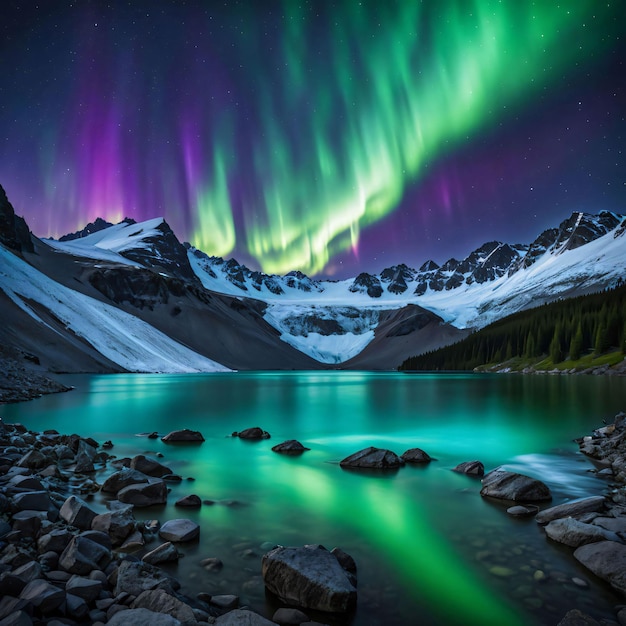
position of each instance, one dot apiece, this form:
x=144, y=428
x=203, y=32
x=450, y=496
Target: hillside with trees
x=577, y=333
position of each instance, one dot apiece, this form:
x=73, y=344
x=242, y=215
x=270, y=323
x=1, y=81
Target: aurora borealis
x=331, y=137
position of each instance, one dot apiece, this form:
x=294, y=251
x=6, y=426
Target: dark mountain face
x=162, y=252
x=14, y=232
x=367, y=283
x=93, y=227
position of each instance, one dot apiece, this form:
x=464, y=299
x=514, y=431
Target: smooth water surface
x=429, y=549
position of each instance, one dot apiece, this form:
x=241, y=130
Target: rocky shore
x=21, y=377
x=72, y=551
x=62, y=562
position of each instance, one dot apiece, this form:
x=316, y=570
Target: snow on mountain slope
x=557, y=273
x=124, y=339
x=108, y=243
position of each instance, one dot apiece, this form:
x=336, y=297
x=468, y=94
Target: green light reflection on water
x=402, y=521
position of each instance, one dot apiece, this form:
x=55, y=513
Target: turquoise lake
x=429, y=549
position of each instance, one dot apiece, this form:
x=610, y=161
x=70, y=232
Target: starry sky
x=328, y=136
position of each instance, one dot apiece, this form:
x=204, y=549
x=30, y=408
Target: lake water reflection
x=430, y=550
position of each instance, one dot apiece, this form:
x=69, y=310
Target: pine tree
x=576, y=345
x=601, y=339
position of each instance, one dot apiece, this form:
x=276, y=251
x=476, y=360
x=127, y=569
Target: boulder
x=76, y=607
x=573, y=533
x=148, y=466
x=82, y=555
x=161, y=601
x=372, y=458
x=134, y=577
x=286, y=617
x=33, y=459
x=28, y=571
x=291, y=446
x=17, y=618
x=43, y=595
x=309, y=577
x=242, y=617
x=607, y=560
x=505, y=485
x=253, y=433
x=117, y=524
x=183, y=435
x=191, y=502
x=471, y=468
x=123, y=478
x=225, y=602
x=32, y=501
x=416, y=456
x=76, y=513
x=179, y=530
x=577, y=618
x=571, y=509
x=162, y=554
x=144, y=494
x=86, y=588
x=142, y=617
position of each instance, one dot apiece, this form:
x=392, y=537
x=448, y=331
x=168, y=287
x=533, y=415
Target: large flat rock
x=512, y=486
x=607, y=560
x=571, y=509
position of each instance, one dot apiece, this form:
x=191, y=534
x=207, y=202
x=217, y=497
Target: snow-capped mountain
x=171, y=298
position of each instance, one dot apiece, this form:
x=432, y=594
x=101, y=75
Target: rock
x=607, y=560
x=85, y=588
x=571, y=509
x=159, y=600
x=471, y=468
x=75, y=607
x=183, y=435
x=29, y=571
x=373, y=458
x=32, y=501
x=179, y=530
x=162, y=554
x=144, y=494
x=56, y=540
x=309, y=577
x=511, y=486
x=134, y=577
x=26, y=482
x=28, y=523
x=290, y=616
x=33, y=459
x=242, y=617
x=17, y=618
x=83, y=555
x=76, y=513
x=142, y=617
x=573, y=533
x=522, y=511
x=416, y=456
x=123, y=478
x=253, y=433
x=192, y=502
x=148, y=466
x=118, y=524
x=291, y=446
x=42, y=595
x=577, y=618
x=226, y=602
x=212, y=564
x=133, y=542
x=614, y=524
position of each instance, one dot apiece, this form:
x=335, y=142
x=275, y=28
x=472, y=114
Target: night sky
x=331, y=137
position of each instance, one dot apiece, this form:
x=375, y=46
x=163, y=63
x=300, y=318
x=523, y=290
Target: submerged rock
x=253, y=433
x=309, y=577
x=416, y=455
x=373, y=458
x=183, y=435
x=291, y=446
x=179, y=530
x=471, y=468
x=512, y=486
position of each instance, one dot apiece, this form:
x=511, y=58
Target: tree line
x=561, y=330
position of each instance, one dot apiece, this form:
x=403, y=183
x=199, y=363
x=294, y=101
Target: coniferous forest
x=559, y=332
